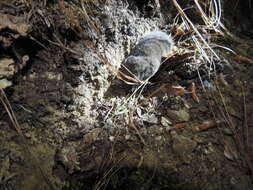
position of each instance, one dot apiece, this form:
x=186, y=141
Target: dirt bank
x=78, y=126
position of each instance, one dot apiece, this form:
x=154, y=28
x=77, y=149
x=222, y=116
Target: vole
x=144, y=59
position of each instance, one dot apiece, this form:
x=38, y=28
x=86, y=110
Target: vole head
x=141, y=67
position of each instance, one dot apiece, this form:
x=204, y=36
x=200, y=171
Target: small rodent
x=144, y=59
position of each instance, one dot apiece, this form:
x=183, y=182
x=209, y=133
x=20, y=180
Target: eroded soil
x=84, y=129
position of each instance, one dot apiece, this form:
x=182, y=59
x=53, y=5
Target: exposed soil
x=80, y=127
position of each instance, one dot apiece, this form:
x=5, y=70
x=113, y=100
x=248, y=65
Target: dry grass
x=210, y=11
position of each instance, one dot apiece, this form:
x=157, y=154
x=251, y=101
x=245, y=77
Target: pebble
x=181, y=115
x=166, y=122
x=150, y=118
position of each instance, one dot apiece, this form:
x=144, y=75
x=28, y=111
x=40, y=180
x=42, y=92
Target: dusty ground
x=84, y=129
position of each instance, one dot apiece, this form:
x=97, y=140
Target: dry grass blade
x=179, y=125
x=105, y=179
x=156, y=91
x=194, y=93
x=125, y=77
x=189, y=23
x=61, y=45
x=205, y=51
x=245, y=121
x=133, y=126
x=110, y=165
x=167, y=88
x=214, y=10
x=238, y=137
x=244, y=59
x=211, y=16
x=15, y=123
x=89, y=21
x=207, y=125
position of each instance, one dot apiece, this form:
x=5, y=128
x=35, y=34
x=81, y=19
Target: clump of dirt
x=85, y=129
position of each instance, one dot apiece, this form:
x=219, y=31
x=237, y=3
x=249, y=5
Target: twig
x=238, y=138
x=243, y=59
x=207, y=125
x=245, y=121
x=132, y=125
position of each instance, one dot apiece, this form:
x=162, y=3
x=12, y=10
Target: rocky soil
x=78, y=126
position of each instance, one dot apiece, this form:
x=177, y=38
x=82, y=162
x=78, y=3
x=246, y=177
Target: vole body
x=145, y=58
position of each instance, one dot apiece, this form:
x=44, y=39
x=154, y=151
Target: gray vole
x=144, y=59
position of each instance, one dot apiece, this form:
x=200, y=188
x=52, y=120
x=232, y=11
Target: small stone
x=181, y=115
x=7, y=68
x=111, y=138
x=127, y=137
x=233, y=181
x=227, y=131
x=203, y=109
x=229, y=153
x=69, y=157
x=155, y=101
x=158, y=138
x=166, y=122
x=150, y=118
x=138, y=111
x=4, y=83
x=183, y=146
x=173, y=133
x=92, y=136
x=154, y=130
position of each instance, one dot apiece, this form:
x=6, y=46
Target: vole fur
x=144, y=59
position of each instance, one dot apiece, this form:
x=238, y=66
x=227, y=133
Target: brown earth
x=79, y=127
